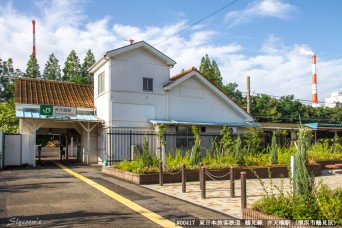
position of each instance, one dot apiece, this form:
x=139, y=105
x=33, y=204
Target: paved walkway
x=218, y=192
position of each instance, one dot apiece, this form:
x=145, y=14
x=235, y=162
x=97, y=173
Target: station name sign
x=50, y=110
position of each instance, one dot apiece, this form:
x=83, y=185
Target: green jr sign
x=46, y=110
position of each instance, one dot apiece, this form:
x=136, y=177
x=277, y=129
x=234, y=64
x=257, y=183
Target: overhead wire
x=287, y=117
x=199, y=21
x=297, y=99
x=210, y=15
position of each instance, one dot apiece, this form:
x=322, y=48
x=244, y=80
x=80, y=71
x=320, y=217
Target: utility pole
x=248, y=95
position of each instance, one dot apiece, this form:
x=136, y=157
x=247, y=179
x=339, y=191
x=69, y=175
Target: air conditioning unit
x=232, y=130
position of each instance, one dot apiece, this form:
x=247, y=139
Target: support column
x=88, y=144
x=34, y=145
x=66, y=148
x=77, y=149
x=72, y=147
x=88, y=129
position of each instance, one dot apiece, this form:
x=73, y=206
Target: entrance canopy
x=44, y=104
x=53, y=100
x=30, y=114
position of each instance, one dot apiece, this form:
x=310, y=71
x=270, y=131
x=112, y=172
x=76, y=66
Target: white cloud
x=278, y=69
x=260, y=8
x=283, y=72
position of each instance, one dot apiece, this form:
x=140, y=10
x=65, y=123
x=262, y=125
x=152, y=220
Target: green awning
x=28, y=114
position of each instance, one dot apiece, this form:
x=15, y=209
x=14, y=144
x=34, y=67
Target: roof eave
x=164, y=58
x=98, y=64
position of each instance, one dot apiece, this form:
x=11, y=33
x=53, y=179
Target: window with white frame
x=148, y=84
x=101, y=83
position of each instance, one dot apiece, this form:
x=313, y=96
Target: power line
x=297, y=99
x=197, y=22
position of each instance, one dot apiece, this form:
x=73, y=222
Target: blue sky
x=259, y=38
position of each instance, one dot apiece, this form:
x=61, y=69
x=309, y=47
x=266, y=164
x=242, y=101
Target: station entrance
x=60, y=139
x=58, y=144
x=56, y=118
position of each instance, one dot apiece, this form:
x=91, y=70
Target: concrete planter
x=153, y=178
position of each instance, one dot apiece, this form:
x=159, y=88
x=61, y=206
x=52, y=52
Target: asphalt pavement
x=47, y=196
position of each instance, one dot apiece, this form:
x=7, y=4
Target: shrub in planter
x=238, y=152
x=303, y=180
x=146, y=156
x=275, y=205
x=195, y=156
x=330, y=203
x=324, y=204
x=274, y=150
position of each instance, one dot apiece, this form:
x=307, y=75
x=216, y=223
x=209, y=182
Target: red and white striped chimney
x=314, y=82
x=34, y=37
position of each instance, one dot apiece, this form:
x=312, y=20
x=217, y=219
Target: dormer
x=138, y=68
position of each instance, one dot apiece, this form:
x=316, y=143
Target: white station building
x=132, y=92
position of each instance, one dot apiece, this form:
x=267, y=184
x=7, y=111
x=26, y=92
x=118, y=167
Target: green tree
x=231, y=90
x=72, y=69
x=211, y=71
x=32, y=70
x=146, y=155
x=160, y=134
x=265, y=108
x=253, y=138
x=7, y=74
x=303, y=180
x=52, y=69
x=6, y=88
x=226, y=142
x=8, y=123
x=88, y=61
x=274, y=150
x=195, y=156
x=238, y=152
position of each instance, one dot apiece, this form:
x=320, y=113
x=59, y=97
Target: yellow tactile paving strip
x=218, y=192
x=141, y=210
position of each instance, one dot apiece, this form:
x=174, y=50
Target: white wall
x=13, y=155
x=193, y=101
x=18, y=149
x=26, y=148
x=129, y=69
x=129, y=105
x=102, y=101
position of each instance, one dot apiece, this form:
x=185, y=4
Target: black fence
x=122, y=144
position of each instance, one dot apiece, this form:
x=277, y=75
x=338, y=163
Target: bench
x=331, y=168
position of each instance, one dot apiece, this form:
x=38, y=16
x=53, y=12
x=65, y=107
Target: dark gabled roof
x=178, y=76
x=36, y=91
